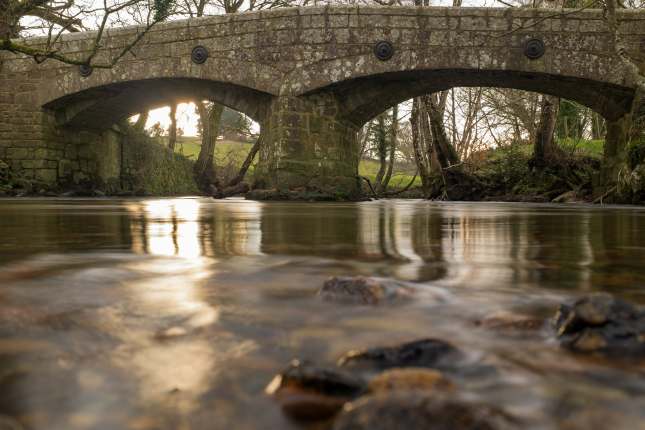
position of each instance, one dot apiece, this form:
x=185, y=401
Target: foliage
x=508, y=175
x=636, y=154
x=154, y=170
x=162, y=9
x=234, y=124
x=572, y=120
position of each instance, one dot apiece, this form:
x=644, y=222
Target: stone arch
x=100, y=107
x=363, y=98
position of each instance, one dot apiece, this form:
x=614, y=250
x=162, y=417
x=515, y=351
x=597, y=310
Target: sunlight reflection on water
x=175, y=313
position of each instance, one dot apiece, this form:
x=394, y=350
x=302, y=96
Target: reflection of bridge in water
x=454, y=243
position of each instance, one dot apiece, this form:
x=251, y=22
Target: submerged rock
x=308, y=392
x=363, y=290
x=411, y=379
x=416, y=410
x=602, y=323
x=510, y=322
x=433, y=353
x=8, y=423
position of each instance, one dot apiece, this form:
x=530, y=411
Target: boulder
x=307, y=392
x=416, y=410
x=507, y=321
x=601, y=323
x=363, y=290
x=8, y=423
x=427, y=353
x=427, y=380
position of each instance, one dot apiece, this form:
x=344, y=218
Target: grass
x=592, y=148
x=400, y=176
x=225, y=150
x=589, y=148
x=232, y=152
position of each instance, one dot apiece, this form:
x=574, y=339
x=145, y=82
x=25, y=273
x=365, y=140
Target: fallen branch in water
x=604, y=196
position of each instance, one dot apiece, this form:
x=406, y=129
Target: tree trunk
x=416, y=145
x=544, y=145
x=140, y=125
x=247, y=163
x=172, y=132
x=445, y=152
x=598, y=127
x=427, y=139
x=394, y=131
x=381, y=142
x=204, y=168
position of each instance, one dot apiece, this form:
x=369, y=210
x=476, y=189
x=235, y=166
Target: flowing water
x=176, y=313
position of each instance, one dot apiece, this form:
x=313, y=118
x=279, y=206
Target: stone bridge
x=310, y=76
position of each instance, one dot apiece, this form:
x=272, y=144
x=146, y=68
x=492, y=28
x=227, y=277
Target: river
x=176, y=313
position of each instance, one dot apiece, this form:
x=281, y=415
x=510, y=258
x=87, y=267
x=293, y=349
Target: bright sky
x=186, y=118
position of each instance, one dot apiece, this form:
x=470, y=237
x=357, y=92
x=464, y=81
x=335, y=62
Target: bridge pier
x=309, y=146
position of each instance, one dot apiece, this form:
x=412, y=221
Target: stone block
x=18, y=153
x=49, y=176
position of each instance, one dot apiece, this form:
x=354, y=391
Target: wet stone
x=363, y=290
x=416, y=410
x=601, y=323
x=307, y=392
x=428, y=353
x=411, y=379
x=8, y=423
x=510, y=322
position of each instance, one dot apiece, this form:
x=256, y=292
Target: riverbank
x=506, y=175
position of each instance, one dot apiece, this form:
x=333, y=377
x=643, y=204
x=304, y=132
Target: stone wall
x=309, y=145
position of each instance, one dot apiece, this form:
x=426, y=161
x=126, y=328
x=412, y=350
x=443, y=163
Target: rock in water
x=307, y=392
x=415, y=410
x=362, y=290
x=433, y=353
x=8, y=423
x=602, y=323
x=411, y=379
x=510, y=322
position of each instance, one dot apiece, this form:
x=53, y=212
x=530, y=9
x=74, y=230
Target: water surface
x=176, y=313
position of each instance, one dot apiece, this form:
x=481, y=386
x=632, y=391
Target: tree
x=204, y=169
x=393, y=139
x=172, y=130
x=140, y=124
x=53, y=18
x=544, y=147
x=235, y=125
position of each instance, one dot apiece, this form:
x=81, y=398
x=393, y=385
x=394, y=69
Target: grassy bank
x=232, y=154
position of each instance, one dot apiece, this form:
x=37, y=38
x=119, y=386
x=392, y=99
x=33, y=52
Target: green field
x=229, y=152
x=225, y=150
x=591, y=148
x=400, y=178
x=232, y=154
